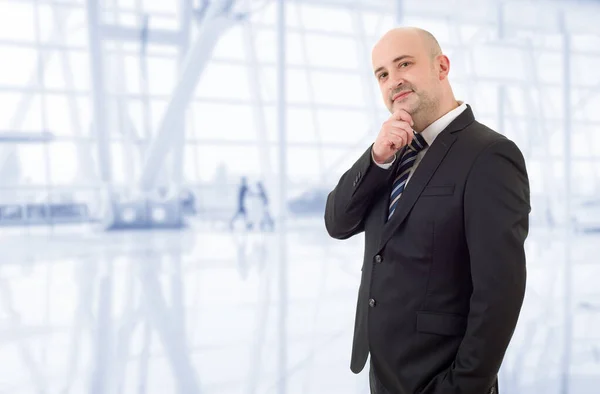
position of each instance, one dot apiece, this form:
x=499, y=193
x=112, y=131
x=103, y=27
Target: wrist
x=382, y=160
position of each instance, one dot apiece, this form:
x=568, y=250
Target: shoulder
x=482, y=139
x=479, y=135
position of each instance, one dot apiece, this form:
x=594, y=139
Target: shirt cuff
x=385, y=166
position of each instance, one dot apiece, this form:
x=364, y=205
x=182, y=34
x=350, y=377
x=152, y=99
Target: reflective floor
x=211, y=311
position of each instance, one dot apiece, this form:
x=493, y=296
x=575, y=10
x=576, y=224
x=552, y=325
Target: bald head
x=412, y=72
x=429, y=41
x=417, y=37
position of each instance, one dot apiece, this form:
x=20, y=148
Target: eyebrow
x=399, y=58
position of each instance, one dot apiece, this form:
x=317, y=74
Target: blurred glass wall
x=162, y=193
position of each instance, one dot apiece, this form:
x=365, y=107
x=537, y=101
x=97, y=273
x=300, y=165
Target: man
x=444, y=204
x=242, y=205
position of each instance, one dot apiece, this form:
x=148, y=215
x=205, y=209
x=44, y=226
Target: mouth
x=401, y=95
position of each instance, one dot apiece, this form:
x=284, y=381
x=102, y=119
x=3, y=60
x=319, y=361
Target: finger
x=397, y=140
x=403, y=127
x=402, y=136
x=402, y=114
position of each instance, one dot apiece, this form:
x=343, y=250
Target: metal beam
x=281, y=225
x=85, y=169
x=155, y=36
x=258, y=105
x=98, y=93
x=177, y=157
x=399, y=14
x=567, y=279
x=25, y=136
x=168, y=132
x=125, y=125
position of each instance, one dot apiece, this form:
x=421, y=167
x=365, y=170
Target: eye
x=381, y=76
x=405, y=64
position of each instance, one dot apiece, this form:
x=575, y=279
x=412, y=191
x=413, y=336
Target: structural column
x=282, y=206
x=98, y=92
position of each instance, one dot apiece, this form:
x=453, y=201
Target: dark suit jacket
x=443, y=280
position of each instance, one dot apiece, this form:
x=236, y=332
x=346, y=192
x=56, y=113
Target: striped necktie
x=406, y=162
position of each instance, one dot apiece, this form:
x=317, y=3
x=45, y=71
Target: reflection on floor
x=201, y=311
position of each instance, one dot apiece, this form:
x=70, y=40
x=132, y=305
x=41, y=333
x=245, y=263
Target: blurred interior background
x=164, y=166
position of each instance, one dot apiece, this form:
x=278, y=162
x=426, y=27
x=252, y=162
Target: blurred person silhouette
x=444, y=203
x=187, y=202
x=266, y=222
x=242, y=209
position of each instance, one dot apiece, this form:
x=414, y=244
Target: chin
x=408, y=107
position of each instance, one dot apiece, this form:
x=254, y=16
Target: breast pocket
x=441, y=190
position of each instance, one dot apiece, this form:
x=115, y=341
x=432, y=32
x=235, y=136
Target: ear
x=443, y=66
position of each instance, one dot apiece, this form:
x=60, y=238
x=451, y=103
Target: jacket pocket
x=445, y=190
x=441, y=323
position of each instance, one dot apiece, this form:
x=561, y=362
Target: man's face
x=406, y=73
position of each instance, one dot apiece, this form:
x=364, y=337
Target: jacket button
x=371, y=303
x=378, y=259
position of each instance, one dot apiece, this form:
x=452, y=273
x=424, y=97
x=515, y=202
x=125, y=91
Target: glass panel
x=55, y=70
x=375, y=23
x=221, y=80
x=79, y=69
x=301, y=125
x=266, y=47
x=326, y=18
x=160, y=6
x=224, y=122
x=238, y=160
x=500, y=61
x=60, y=114
x=584, y=181
x=63, y=162
x=16, y=22
x=346, y=128
x=583, y=70
x=19, y=65
x=333, y=52
x=32, y=164
x=134, y=74
x=20, y=111
x=231, y=44
x=162, y=74
x=336, y=88
x=190, y=165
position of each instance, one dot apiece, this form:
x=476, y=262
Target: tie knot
x=418, y=142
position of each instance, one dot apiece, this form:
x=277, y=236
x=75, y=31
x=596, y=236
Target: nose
x=396, y=74
x=395, y=84
x=395, y=80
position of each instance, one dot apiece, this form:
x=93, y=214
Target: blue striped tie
x=408, y=158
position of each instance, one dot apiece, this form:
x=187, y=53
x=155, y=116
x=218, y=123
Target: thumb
x=403, y=115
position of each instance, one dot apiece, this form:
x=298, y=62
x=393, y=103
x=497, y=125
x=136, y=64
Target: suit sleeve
x=496, y=215
x=348, y=203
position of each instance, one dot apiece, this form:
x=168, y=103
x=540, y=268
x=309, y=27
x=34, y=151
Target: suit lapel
x=422, y=174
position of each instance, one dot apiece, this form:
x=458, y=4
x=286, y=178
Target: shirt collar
x=434, y=129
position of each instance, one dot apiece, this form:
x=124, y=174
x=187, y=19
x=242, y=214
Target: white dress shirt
x=429, y=134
